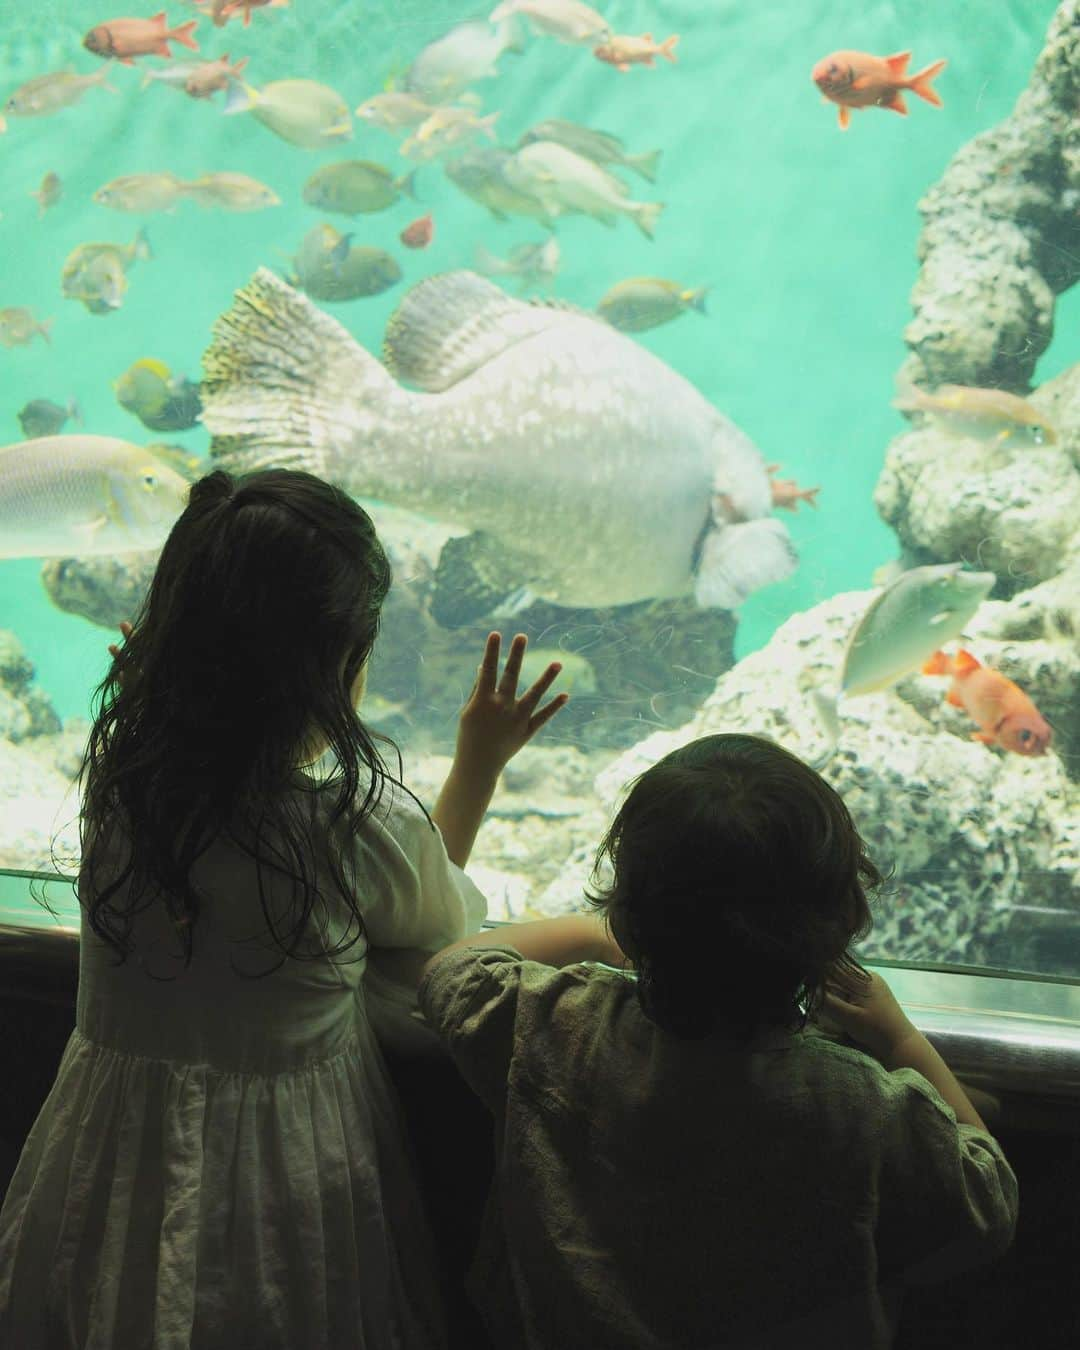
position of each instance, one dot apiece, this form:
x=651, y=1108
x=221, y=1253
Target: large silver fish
x=75, y=496
x=586, y=461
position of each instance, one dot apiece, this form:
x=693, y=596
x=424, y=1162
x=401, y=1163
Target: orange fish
x=1005, y=714
x=123, y=39
x=210, y=76
x=624, y=52
x=420, y=233
x=859, y=80
x=786, y=493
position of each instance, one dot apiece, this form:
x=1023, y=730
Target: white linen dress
x=221, y=1162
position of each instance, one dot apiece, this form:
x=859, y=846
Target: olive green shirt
x=655, y=1192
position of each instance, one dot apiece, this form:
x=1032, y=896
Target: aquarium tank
x=726, y=350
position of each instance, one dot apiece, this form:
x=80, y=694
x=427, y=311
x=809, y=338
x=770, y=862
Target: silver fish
x=564, y=181
x=600, y=146
x=481, y=174
x=908, y=621
x=46, y=94
x=536, y=427
x=468, y=52
x=567, y=20
x=73, y=496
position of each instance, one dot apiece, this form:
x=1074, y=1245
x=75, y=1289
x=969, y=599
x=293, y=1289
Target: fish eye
x=149, y=480
x=1037, y=435
x=1025, y=736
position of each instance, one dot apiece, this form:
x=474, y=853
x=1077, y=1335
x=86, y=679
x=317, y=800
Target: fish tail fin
x=339, y=254
x=646, y=165
x=737, y=560
x=407, y=184
x=696, y=299
x=274, y=382
x=667, y=47
x=826, y=705
x=920, y=83
x=240, y=97
x=488, y=124
x=151, y=77
x=646, y=215
x=234, y=71
x=140, y=246
x=74, y=411
x=45, y=329
x=939, y=663
x=183, y=35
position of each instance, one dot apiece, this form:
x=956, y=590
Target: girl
x=681, y=1160
x=220, y=1162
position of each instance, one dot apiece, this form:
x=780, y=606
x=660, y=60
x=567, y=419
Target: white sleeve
x=414, y=896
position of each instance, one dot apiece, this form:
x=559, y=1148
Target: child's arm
x=461, y=806
x=553, y=942
x=494, y=725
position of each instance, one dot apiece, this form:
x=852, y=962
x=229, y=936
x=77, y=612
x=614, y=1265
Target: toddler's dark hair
x=263, y=609
x=739, y=879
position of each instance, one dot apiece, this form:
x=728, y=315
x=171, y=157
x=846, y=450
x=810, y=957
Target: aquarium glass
x=770, y=303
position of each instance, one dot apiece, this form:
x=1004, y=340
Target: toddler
x=683, y=1159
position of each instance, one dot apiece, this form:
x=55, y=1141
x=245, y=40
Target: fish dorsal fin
x=447, y=326
x=897, y=63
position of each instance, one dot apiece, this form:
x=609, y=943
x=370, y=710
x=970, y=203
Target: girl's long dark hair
x=262, y=611
x=739, y=881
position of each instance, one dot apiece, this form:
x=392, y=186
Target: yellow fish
x=160, y=400
x=983, y=414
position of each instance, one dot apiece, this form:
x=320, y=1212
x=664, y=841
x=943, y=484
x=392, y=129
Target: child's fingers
x=547, y=712
x=840, y=1001
x=489, y=664
x=512, y=670
x=532, y=696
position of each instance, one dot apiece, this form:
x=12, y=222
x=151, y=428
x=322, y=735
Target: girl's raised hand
x=495, y=723
x=127, y=630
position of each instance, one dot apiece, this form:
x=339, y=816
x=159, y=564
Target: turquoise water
x=806, y=235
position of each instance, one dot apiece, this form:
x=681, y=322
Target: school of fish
x=466, y=367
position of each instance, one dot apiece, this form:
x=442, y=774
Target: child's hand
x=127, y=631
x=868, y=1014
x=495, y=723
